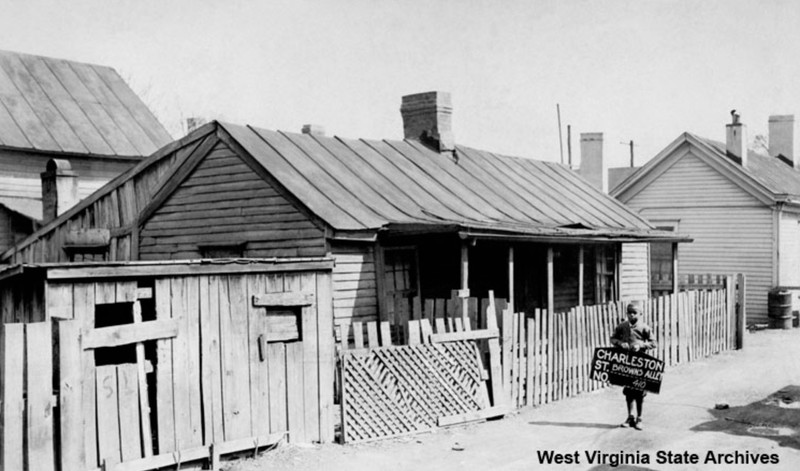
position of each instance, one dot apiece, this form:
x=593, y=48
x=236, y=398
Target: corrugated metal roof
x=774, y=174
x=56, y=105
x=367, y=184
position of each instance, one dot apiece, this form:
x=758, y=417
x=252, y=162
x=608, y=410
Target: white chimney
x=736, y=139
x=593, y=167
x=59, y=189
x=428, y=117
x=781, y=138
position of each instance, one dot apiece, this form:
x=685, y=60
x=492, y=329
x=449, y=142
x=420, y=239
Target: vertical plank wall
x=217, y=381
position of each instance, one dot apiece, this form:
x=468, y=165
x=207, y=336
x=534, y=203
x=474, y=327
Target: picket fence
x=547, y=358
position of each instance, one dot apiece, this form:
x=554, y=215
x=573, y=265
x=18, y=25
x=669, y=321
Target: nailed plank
x=143, y=396
x=129, y=420
x=283, y=299
x=181, y=382
x=495, y=367
x=210, y=382
x=327, y=362
x=310, y=365
x=70, y=395
x=465, y=335
x=294, y=392
x=193, y=359
x=235, y=371
x=12, y=355
x=58, y=299
x=83, y=305
x=413, y=332
x=277, y=387
x=126, y=334
x=386, y=334
x=164, y=384
x=259, y=359
x=108, y=439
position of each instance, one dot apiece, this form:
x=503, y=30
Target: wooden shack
x=162, y=363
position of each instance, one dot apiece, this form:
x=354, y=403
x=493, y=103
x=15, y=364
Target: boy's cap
x=635, y=306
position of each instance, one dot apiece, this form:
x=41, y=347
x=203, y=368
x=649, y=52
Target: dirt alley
x=681, y=419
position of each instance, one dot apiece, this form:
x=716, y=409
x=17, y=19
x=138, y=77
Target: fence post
x=741, y=310
x=12, y=354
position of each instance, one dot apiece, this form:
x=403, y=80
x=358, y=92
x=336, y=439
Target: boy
x=635, y=335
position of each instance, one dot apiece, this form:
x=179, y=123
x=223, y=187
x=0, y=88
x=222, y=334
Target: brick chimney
x=781, y=138
x=194, y=123
x=593, y=166
x=736, y=139
x=59, y=189
x=427, y=117
x=314, y=129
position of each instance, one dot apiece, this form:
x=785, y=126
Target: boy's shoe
x=629, y=422
x=637, y=424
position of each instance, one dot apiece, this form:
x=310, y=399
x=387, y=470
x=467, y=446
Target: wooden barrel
x=780, y=309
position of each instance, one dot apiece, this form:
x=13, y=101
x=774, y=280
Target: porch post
x=511, y=277
x=464, y=292
x=550, y=278
x=675, y=284
x=580, y=275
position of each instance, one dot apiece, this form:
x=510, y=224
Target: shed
x=229, y=353
x=741, y=207
x=404, y=219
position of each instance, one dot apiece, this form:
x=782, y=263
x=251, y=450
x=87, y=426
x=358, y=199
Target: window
x=110, y=315
x=606, y=271
x=661, y=258
x=229, y=250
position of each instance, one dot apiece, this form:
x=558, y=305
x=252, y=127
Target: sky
x=636, y=70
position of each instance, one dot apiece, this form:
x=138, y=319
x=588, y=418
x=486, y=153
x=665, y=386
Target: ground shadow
x=776, y=417
x=574, y=424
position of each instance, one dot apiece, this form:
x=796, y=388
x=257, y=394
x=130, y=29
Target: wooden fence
x=207, y=372
x=545, y=358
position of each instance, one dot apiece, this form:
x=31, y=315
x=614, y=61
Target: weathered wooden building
x=60, y=109
x=741, y=208
x=165, y=363
x=418, y=217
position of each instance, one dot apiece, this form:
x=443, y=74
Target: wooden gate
x=398, y=390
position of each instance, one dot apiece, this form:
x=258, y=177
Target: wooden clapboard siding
x=116, y=206
x=224, y=201
x=355, y=295
x=789, y=251
x=732, y=231
x=634, y=277
x=20, y=172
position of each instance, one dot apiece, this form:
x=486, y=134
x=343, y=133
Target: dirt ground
x=761, y=384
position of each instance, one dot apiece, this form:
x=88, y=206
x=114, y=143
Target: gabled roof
x=55, y=105
x=357, y=186
x=769, y=179
x=369, y=184
x=30, y=208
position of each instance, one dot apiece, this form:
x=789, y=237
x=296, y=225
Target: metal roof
x=772, y=172
x=55, y=105
x=28, y=207
x=359, y=184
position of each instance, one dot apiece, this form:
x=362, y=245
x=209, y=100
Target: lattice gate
x=398, y=390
